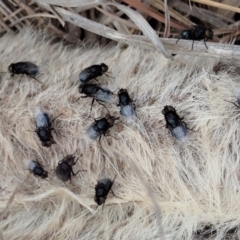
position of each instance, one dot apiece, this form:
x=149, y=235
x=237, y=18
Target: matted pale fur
x=190, y=183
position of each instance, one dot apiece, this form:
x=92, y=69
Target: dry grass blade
x=101, y=30
x=46, y=15
x=167, y=20
x=84, y=4
x=152, y=13
x=174, y=14
x=5, y=26
x=215, y=50
x=217, y=20
x=116, y=18
x=229, y=14
x=112, y=34
x=144, y=27
x=57, y=16
x=218, y=5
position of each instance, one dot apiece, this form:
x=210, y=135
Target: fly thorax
x=38, y=171
x=65, y=166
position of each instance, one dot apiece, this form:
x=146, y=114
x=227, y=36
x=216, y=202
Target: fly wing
x=32, y=69
x=62, y=174
x=107, y=183
x=41, y=118
x=179, y=132
x=29, y=164
x=198, y=32
x=85, y=75
x=127, y=111
x=95, y=69
x=92, y=133
x=89, y=73
x=104, y=95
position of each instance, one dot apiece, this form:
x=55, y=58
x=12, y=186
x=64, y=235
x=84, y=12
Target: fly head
x=104, y=67
x=124, y=98
x=99, y=200
x=209, y=33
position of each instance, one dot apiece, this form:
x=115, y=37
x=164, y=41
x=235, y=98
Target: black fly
x=102, y=189
x=174, y=123
x=64, y=168
x=44, y=129
x=100, y=127
x=37, y=169
x=96, y=92
x=197, y=33
x=28, y=68
x=92, y=72
x=126, y=103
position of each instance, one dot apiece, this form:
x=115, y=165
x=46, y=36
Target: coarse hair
x=167, y=188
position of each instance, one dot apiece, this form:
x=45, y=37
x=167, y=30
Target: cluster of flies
x=100, y=126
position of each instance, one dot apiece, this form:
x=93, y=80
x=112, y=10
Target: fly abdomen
x=41, y=118
x=128, y=110
x=179, y=132
x=92, y=133
x=104, y=95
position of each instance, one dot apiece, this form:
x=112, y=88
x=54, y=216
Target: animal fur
x=169, y=189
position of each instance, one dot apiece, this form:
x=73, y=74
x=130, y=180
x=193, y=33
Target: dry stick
x=215, y=50
x=167, y=20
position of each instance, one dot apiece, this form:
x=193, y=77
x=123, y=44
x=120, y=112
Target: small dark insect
x=174, y=123
x=92, y=72
x=197, y=33
x=100, y=127
x=102, y=189
x=37, y=169
x=64, y=168
x=44, y=128
x=97, y=93
x=28, y=68
x=126, y=103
